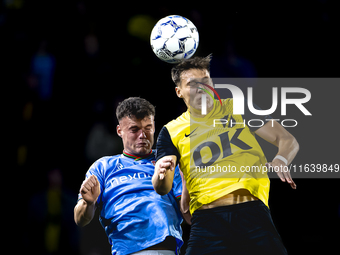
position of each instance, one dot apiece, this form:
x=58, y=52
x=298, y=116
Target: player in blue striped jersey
x=136, y=219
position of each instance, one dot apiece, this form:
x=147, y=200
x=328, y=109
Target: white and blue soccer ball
x=174, y=38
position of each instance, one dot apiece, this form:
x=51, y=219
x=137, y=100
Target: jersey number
x=215, y=149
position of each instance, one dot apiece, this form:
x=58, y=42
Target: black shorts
x=245, y=228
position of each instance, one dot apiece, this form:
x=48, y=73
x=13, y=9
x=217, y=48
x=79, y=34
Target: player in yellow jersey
x=223, y=167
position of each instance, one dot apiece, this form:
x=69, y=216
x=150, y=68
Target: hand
x=282, y=171
x=90, y=189
x=165, y=164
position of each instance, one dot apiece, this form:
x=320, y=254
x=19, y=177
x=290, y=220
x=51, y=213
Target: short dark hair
x=201, y=63
x=135, y=106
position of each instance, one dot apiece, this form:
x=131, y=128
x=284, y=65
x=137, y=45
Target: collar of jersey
x=136, y=158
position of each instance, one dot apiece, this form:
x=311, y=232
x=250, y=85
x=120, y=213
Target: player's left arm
x=287, y=145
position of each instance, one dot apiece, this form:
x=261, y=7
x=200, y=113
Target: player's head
x=190, y=75
x=136, y=125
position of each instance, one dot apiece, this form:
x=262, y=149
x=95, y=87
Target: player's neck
x=136, y=157
x=197, y=113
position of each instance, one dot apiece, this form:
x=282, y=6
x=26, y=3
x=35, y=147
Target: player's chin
x=197, y=102
x=197, y=106
x=143, y=149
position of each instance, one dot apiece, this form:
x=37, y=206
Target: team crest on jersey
x=153, y=162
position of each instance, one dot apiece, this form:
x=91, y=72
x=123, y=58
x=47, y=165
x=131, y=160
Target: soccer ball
x=174, y=38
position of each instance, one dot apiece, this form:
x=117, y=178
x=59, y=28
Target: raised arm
x=164, y=174
x=287, y=145
x=86, y=207
x=167, y=156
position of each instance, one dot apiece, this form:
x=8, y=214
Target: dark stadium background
x=66, y=64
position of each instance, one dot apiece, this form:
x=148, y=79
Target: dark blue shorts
x=245, y=228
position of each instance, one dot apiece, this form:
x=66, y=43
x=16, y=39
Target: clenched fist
x=165, y=164
x=90, y=189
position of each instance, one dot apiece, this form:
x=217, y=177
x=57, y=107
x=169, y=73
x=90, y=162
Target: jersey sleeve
x=165, y=146
x=97, y=170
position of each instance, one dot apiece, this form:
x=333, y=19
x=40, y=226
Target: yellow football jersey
x=218, y=154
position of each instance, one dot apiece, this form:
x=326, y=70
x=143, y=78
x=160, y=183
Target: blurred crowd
x=66, y=66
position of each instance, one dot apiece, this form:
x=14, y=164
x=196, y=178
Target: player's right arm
x=85, y=208
x=164, y=174
x=167, y=156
